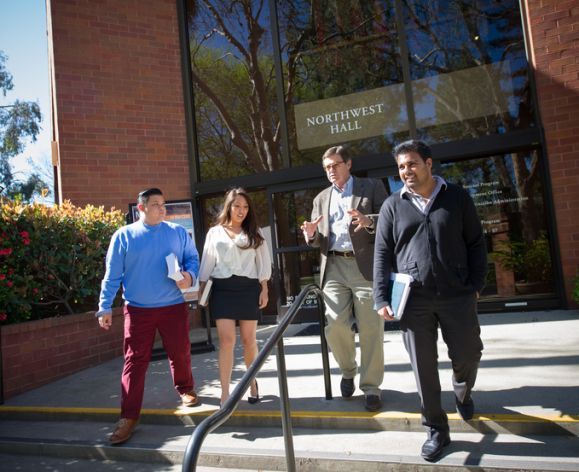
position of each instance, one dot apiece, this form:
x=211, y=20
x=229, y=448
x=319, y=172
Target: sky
x=23, y=38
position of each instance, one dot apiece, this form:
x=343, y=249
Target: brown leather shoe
x=190, y=398
x=123, y=431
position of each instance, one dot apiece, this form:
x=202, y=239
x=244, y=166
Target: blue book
x=398, y=291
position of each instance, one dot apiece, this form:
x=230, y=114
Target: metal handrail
x=224, y=413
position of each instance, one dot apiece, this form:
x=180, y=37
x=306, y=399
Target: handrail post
x=324, y=346
x=222, y=415
x=286, y=421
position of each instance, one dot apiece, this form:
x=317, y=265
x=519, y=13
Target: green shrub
x=51, y=258
x=530, y=261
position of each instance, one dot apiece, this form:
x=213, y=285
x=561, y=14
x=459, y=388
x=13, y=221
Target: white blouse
x=224, y=257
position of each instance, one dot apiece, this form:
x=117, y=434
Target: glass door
x=508, y=191
x=295, y=263
x=509, y=194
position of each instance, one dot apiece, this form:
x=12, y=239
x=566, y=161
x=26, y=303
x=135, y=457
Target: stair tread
x=473, y=449
x=35, y=463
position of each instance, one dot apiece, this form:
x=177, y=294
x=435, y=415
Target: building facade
x=198, y=96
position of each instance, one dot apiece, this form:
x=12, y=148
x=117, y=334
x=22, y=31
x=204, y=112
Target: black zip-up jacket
x=444, y=250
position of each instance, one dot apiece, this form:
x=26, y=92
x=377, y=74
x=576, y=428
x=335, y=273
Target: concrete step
x=263, y=416
x=262, y=448
x=21, y=463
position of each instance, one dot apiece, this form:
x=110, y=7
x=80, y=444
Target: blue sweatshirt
x=136, y=259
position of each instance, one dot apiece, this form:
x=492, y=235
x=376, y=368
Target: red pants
x=141, y=325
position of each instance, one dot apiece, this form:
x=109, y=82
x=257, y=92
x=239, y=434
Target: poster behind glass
x=179, y=212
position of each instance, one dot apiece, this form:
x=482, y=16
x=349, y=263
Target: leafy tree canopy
x=18, y=121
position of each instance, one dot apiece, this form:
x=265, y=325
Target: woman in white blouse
x=237, y=258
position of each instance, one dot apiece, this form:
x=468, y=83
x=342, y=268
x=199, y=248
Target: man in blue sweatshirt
x=153, y=301
x=430, y=230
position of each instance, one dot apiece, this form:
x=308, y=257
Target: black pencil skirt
x=235, y=298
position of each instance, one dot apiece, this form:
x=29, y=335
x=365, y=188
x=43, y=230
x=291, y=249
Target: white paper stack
x=173, y=268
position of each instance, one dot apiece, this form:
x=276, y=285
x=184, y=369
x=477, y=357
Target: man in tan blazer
x=342, y=226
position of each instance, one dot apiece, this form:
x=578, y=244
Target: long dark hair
x=249, y=224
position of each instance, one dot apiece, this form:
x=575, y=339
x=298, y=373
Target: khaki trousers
x=348, y=299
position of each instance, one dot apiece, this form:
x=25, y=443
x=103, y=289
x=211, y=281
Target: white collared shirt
x=420, y=202
x=339, y=220
x=224, y=257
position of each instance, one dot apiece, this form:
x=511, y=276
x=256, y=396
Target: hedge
x=51, y=258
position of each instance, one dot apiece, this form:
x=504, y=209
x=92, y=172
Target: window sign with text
x=350, y=117
x=381, y=111
x=508, y=194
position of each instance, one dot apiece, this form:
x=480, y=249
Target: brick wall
x=39, y=352
x=554, y=27
x=119, y=100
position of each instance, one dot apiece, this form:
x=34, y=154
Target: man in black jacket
x=430, y=230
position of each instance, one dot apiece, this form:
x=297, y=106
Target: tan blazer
x=367, y=197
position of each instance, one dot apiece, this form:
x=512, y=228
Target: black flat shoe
x=465, y=409
x=347, y=387
x=434, y=445
x=252, y=400
x=373, y=402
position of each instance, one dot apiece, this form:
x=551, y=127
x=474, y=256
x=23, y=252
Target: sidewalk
x=530, y=366
x=528, y=383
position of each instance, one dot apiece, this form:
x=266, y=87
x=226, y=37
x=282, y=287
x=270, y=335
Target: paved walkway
x=528, y=383
x=530, y=366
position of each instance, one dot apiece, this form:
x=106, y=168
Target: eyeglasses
x=331, y=167
x=157, y=206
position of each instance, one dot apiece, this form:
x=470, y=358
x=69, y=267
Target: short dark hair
x=144, y=196
x=413, y=145
x=340, y=151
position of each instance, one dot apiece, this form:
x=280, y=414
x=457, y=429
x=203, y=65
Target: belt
x=346, y=254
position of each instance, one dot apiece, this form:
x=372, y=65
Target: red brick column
x=118, y=91
x=554, y=28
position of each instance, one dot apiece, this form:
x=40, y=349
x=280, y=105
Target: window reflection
x=468, y=68
x=343, y=76
x=508, y=195
x=296, y=268
x=237, y=120
x=393, y=184
x=308, y=272
x=343, y=81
